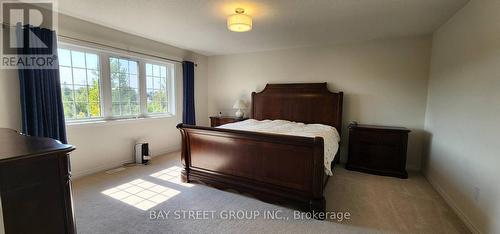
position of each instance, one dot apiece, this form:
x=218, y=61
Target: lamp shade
x=239, y=104
x=239, y=22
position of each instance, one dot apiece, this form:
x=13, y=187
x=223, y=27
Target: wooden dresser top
x=14, y=145
x=378, y=128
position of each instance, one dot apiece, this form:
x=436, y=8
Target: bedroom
x=427, y=67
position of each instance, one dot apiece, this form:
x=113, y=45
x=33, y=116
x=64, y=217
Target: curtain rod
x=112, y=47
x=117, y=48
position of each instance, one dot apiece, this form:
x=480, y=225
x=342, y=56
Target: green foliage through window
x=79, y=75
x=80, y=79
x=124, y=87
x=156, y=85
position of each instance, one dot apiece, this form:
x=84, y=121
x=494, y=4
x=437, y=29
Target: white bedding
x=329, y=134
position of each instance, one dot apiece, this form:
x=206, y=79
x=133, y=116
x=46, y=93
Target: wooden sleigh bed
x=274, y=168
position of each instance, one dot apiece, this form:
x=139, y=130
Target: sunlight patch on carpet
x=141, y=194
x=171, y=174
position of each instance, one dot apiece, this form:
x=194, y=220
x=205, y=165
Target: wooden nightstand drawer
x=378, y=138
x=378, y=150
x=218, y=121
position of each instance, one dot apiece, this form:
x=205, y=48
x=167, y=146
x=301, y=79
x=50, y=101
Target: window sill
x=85, y=123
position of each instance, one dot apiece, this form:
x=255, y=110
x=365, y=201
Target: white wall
x=10, y=106
x=384, y=81
x=463, y=114
x=105, y=145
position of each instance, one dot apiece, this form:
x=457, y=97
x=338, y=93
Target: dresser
x=221, y=120
x=378, y=150
x=35, y=185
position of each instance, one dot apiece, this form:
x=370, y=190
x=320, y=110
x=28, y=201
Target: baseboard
x=111, y=165
x=453, y=205
x=103, y=167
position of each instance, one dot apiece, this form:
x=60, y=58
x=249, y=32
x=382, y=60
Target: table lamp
x=239, y=104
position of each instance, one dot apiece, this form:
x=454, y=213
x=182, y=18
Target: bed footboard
x=272, y=167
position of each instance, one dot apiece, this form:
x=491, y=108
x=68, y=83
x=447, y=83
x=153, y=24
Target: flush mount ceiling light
x=239, y=22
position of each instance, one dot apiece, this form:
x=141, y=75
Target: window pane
x=150, y=95
x=81, y=90
x=155, y=107
x=159, y=96
x=116, y=109
x=81, y=110
x=125, y=107
x=156, y=70
x=94, y=109
x=133, y=67
x=134, y=82
x=149, y=69
x=80, y=85
x=81, y=93
x=94, y=93
x=114, y=65
x=135, y=108
x=156, y=83
x=64, y=57
x=78, y=59
x=156, y=86
x=163, y=71
x=115, y=80
x=123, y=81
x=164, y=106
x=163, y=83
x=79, y=76
x=69, y=112
x=92, y=61
x=132, y=95
x=67, y=93
x=65, y=75
x=149, y=82
x=92, y=77
x=156, y=99
x=125, y=87
x=123, y=65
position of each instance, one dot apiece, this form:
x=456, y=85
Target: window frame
x=101, y=100
x=170, y=85
x=131, y=116
x=105, y=87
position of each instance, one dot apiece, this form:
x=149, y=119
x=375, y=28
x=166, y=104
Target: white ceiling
x=200, y=25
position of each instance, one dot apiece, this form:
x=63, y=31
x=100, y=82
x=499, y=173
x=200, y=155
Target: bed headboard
x=304, y=102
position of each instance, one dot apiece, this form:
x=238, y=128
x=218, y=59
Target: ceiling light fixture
x=239, y=22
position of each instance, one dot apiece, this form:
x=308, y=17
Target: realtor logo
x=20, y=20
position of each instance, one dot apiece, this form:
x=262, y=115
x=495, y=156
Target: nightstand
x=218, y=121
x=378, y=150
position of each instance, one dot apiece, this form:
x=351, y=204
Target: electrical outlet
x=477, y=192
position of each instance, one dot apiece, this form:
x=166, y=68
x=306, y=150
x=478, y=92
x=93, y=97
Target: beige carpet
x=122, y=203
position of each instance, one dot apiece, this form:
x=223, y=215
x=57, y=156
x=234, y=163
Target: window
x=124, y=87
x=97, y=84
x=156, y=85
x=80, y=84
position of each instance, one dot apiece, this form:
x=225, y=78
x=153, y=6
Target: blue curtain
x=188, y=114
x=41, y=102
